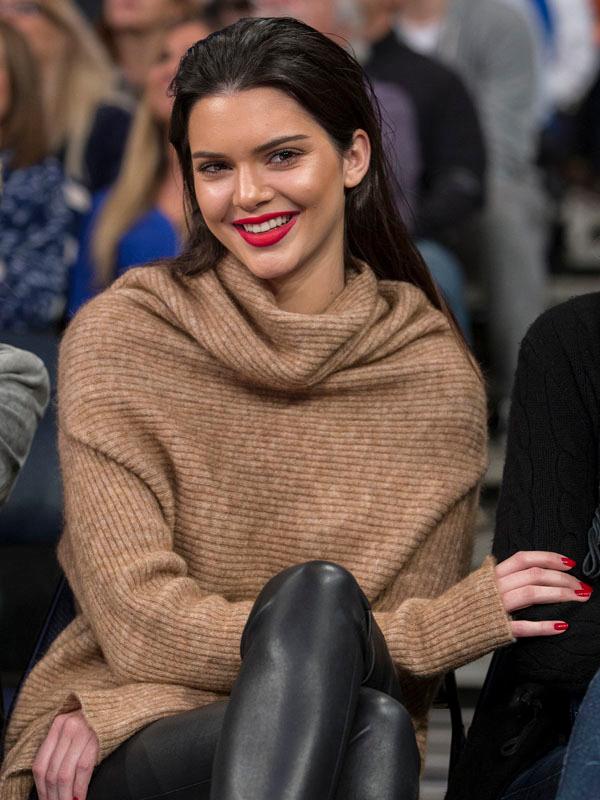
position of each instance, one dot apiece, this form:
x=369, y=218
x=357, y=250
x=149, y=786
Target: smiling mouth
x=266, y=230
x=266, y=222
x=263, y=227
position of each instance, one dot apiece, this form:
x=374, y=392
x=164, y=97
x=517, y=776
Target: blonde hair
x=24, y=129
x=142, y=170
x=86, y=80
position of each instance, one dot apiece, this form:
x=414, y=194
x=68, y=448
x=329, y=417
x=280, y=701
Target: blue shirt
x=151, y=237
x=38, y=223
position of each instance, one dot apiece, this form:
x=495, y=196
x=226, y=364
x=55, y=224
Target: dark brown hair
x=24, y=128
x=327, y=81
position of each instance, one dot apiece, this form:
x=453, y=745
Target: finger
x=43, y=756
x=68, y=767
x=540, y=595
x=523, y=628
x=538, y=576
x=63, y=743
x=525, y=559
x=85, y=767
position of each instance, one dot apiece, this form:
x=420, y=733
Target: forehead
x=247, y=119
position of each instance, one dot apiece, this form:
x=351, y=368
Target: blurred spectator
x=225, y=12
x=436, y=147
x=493, y=45
x=36, y=221
x=142, y=217
x=133, y=32
x=571, y=57
x=24, y=393
x=87, y=119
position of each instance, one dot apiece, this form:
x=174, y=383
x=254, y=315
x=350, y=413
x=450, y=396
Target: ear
x=357, y=159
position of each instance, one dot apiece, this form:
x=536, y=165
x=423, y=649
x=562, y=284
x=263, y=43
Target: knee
x=314, y=579
x=390, y=724
x=386, y=712
x=311, y=591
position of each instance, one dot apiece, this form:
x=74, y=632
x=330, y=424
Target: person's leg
x=581, y=772
x=170, y=758
x=381, y=760
x=309, y=644
x=301, y=717
x=540, y=781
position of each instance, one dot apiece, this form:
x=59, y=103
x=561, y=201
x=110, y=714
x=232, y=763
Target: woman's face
x=261, y=161
x=46, y=38
x=161, y=73
x=136, y=15
x=5, y=94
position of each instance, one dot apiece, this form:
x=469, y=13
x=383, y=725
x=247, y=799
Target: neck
x=134, y=52
x=310, y=290
x=423, y=11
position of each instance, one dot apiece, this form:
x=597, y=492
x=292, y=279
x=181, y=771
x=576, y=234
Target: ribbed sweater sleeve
x=445, y=622
x=150, y=618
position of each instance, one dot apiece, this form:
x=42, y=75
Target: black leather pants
x=315, y=713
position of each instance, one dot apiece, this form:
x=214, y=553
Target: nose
x=250, y=190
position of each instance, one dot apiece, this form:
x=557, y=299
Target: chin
x=270, y=268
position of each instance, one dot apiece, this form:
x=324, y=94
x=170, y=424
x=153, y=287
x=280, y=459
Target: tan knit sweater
x=209, y=440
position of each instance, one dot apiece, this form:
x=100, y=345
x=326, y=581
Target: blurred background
x=491, y=120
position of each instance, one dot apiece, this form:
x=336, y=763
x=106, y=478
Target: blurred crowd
x=491, y=116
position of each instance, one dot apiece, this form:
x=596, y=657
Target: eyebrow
x=257, y=150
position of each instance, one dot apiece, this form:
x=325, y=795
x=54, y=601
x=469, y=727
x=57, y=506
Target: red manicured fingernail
x=582, y=593
x=569, y=562
x=561, y=626
x=586, y=587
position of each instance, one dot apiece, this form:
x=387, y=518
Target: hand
x=66, y=759
x=531, y=578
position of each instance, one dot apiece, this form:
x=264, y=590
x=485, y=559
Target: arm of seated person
x=24, y=391
x=550, y=485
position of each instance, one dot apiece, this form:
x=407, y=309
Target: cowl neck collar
x=234, y=316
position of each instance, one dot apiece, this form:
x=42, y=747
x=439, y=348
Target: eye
x=211, y=169
x=284, y=156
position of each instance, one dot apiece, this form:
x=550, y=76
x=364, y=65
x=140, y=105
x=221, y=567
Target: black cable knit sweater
x=550, y=486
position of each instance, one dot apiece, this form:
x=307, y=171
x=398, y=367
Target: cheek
x=318, y=185
x=213, y=198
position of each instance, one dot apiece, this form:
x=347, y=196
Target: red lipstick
x=270, y=237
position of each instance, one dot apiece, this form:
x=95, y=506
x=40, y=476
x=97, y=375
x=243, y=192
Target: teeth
x=267, y=226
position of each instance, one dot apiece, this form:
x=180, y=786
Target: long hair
x=142, y=169
x=24, y=129
x=86, y=80
x=285, y=54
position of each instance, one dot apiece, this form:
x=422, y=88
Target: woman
x=37, y=222
x=259, y=440
x=141, y=219
x=132, y=33
x=87, y=118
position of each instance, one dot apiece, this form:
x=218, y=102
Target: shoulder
x=141, y=295
x=435, y=355
x=569, y=326
x=119, y=346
